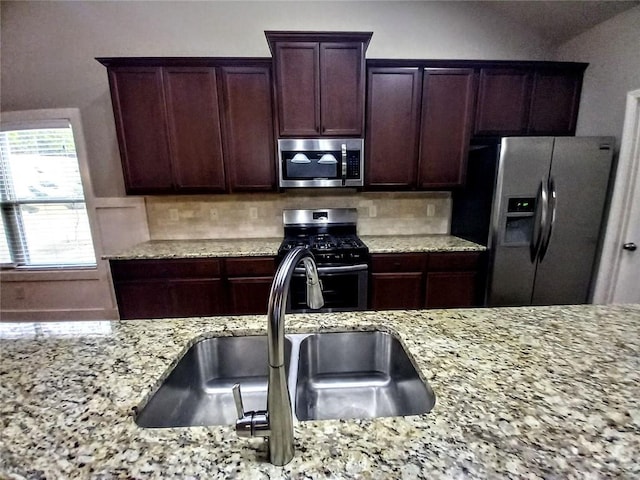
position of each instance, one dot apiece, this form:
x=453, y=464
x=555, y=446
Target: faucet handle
x=237, y=398
x=249, y=424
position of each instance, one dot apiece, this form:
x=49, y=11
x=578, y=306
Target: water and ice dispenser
x=520, y=220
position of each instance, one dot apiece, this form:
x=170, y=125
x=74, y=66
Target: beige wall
x=48, y=48
x=612, y=50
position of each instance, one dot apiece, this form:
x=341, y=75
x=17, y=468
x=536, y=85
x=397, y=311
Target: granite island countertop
x=530, y=392
x=160, y=249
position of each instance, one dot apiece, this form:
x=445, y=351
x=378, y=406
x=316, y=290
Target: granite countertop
x=158, y=249
x=419, y=243
x=530, y=392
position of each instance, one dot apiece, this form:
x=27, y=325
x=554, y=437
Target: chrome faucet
x=276, y=422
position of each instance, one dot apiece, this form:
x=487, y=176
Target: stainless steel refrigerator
x=546, y=221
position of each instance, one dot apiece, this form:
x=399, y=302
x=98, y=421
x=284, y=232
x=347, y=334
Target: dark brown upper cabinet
x=533, y=99
x=320, y=82
x=194, y=125
x=248, y=128
x=554, y=101
x=393, y=123
x=448, y=101
x=503, y=101
x=418, y=126
x=195, y=137
x=141, y=125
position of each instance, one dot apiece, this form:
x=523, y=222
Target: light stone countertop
x=161, y=249
x=530, y=392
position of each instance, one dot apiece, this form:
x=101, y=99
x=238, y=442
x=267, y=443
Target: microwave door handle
x=344, y=164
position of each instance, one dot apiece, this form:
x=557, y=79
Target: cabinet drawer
x=146, y=269
x=249, y=267
x=398, y=262
x=454, y=261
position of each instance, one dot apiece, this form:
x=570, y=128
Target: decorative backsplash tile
x=260, y=215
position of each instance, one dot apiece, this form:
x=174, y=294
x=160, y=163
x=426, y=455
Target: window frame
x=33, y=119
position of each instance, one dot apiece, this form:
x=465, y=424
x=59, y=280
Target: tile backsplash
x=260, y=215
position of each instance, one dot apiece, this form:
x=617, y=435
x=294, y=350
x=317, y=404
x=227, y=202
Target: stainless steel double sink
x=343, y=375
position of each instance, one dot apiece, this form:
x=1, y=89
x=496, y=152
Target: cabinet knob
x=630, y=246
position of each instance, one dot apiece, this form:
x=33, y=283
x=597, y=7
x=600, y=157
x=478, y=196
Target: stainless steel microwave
x=321, y=162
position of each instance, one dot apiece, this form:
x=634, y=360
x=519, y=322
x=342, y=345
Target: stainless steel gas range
x=341, y=257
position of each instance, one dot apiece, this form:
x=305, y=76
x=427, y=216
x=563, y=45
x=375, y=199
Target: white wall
x=612, y=50
x=48, y=48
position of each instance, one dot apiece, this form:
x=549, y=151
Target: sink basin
x=358, y=375
x=330, y=376
x=198, y=390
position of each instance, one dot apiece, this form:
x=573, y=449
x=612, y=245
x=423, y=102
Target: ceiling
x=560, y=20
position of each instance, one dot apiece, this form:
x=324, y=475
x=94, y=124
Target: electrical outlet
x=431, y=210
x=213, y=214
x=173, y=215
x=373, y=211
x=253, y=213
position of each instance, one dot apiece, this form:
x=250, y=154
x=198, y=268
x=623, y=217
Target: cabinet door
x=341, y=89
x=448, y=99
x=398, y=290
x=450, y=289
x=503, y=101
x=393, y=115
x=298, y=92
x=194, y=129
x=248, y=125
x=554, y=102
x=143, y=299
x=249, y=295
x=141, y=125
x=196, y=297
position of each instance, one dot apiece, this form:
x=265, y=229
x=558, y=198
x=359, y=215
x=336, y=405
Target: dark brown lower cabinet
x=192, y=287
x=425, y=280
x=249, y=282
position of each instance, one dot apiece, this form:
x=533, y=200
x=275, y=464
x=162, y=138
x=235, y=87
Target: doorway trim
x=626, y=182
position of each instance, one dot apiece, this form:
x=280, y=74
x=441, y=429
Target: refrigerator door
x=517, y=213
x=580, y=170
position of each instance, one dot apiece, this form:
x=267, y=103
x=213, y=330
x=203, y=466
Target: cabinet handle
x=630, y=246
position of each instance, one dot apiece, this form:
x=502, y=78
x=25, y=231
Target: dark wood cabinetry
x=555, y=99
x=193, y=125
x=393, y=122
x=397, y=281
x=192, y=287
x=248, y=127
x=168, y=288
x=529, y=100
x=448, y=100
x=503, y=105
x=320, y=82
x=421, y=280
x=195, y=136
x=141, y=125
x=249, y=283
x=418, y=126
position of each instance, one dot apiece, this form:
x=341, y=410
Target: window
x=44, y=215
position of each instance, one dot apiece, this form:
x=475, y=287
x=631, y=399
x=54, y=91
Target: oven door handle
x=340, y=269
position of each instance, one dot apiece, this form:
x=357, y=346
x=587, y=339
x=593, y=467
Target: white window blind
x=44, y=215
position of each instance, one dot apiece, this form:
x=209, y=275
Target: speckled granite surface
x=419, y=243
x=200, y=248
x=521, y=393
x=269, y=246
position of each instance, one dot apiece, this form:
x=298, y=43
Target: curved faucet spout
x=279, y=294
x=280, y=415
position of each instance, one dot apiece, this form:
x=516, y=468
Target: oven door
x=344, y=289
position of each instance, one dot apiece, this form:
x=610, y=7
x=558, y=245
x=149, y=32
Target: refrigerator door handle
x=552, y=206
x=540, y=221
